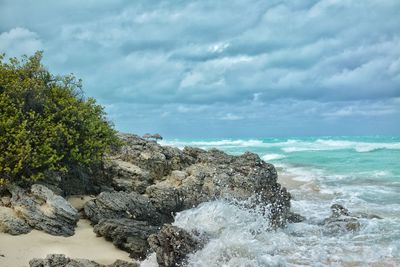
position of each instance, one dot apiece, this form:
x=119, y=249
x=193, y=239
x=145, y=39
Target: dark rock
x=119, y=205
x=127, y=234
x=78, y=181
x=341, y=221
x=172, y=245
x=43, y=210
x=339, y=210
x=295, y=218
x=60, y=260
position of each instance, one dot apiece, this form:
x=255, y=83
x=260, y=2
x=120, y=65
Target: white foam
x=289, y=146
x=328, y=144
x=268, y=157
x=236, y=236
x=219, y=143
x=240, y=237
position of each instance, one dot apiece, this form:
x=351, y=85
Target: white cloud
x=19, y=41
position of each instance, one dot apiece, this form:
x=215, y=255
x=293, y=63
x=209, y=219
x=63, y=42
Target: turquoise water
x=361, y=173
x=342, y=161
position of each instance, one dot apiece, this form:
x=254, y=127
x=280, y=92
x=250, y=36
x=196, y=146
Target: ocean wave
x=329, y=144
x=218, y=143
x=268, y=157
x=289, y=146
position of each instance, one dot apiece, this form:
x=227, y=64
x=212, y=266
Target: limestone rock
x=127, y=234
x=118, y=205
x=341, y=221
x=43, y=210
x=175, y=180
x=153, y=182
x=60, y=260
x=11, y=224
x=172, y=245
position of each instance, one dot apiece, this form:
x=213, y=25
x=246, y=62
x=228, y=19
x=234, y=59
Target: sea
x=361, y=173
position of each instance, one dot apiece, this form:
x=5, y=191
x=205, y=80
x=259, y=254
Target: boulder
x=341, y=221
x=41, y=209
x=172, y=245
x=60, y=260
x=127, y=234
x=119, y=205
x=10, y=223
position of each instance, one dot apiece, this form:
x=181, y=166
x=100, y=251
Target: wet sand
x=16, y=251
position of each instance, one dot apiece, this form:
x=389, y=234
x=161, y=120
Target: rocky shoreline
x=140, y=189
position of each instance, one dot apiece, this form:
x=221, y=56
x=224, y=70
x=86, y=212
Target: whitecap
x=268, y=157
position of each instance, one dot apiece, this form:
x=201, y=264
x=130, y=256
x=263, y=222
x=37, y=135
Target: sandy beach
x=16, y=251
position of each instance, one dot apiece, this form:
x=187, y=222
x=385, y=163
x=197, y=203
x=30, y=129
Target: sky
x=223, y=69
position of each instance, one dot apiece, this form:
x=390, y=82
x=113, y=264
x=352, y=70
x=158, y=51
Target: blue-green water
x=362, y=173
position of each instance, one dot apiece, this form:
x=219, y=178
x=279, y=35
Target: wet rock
x=215, y=175
x=127, y=234
x=43, y=210
x=60, y=260
x=339, y=210
x=295, y=218
x=11, y=224
x=172, y=245
x=341, y=221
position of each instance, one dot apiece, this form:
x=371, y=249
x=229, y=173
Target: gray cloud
x=225, y=64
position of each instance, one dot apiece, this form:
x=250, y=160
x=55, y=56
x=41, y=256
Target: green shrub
x=45, y=122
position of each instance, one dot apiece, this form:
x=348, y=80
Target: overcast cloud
x=223, y=68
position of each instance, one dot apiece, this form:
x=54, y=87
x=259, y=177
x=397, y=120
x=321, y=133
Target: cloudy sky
x=212, y=68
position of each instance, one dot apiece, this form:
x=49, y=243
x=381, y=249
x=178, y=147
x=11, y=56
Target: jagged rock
x=216, y=174
x=127, y=234
x=60, y=260
x=118, y=205
x=172, y=245
x=175, y=180
x=11, y=224
x=43, y=210
x=341, y=221
x=154, y=182
x=127, y=176
x=157, y=160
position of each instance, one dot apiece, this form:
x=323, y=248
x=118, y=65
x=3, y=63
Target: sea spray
x=361, y=173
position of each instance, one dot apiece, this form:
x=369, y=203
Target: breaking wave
x=290, y=145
